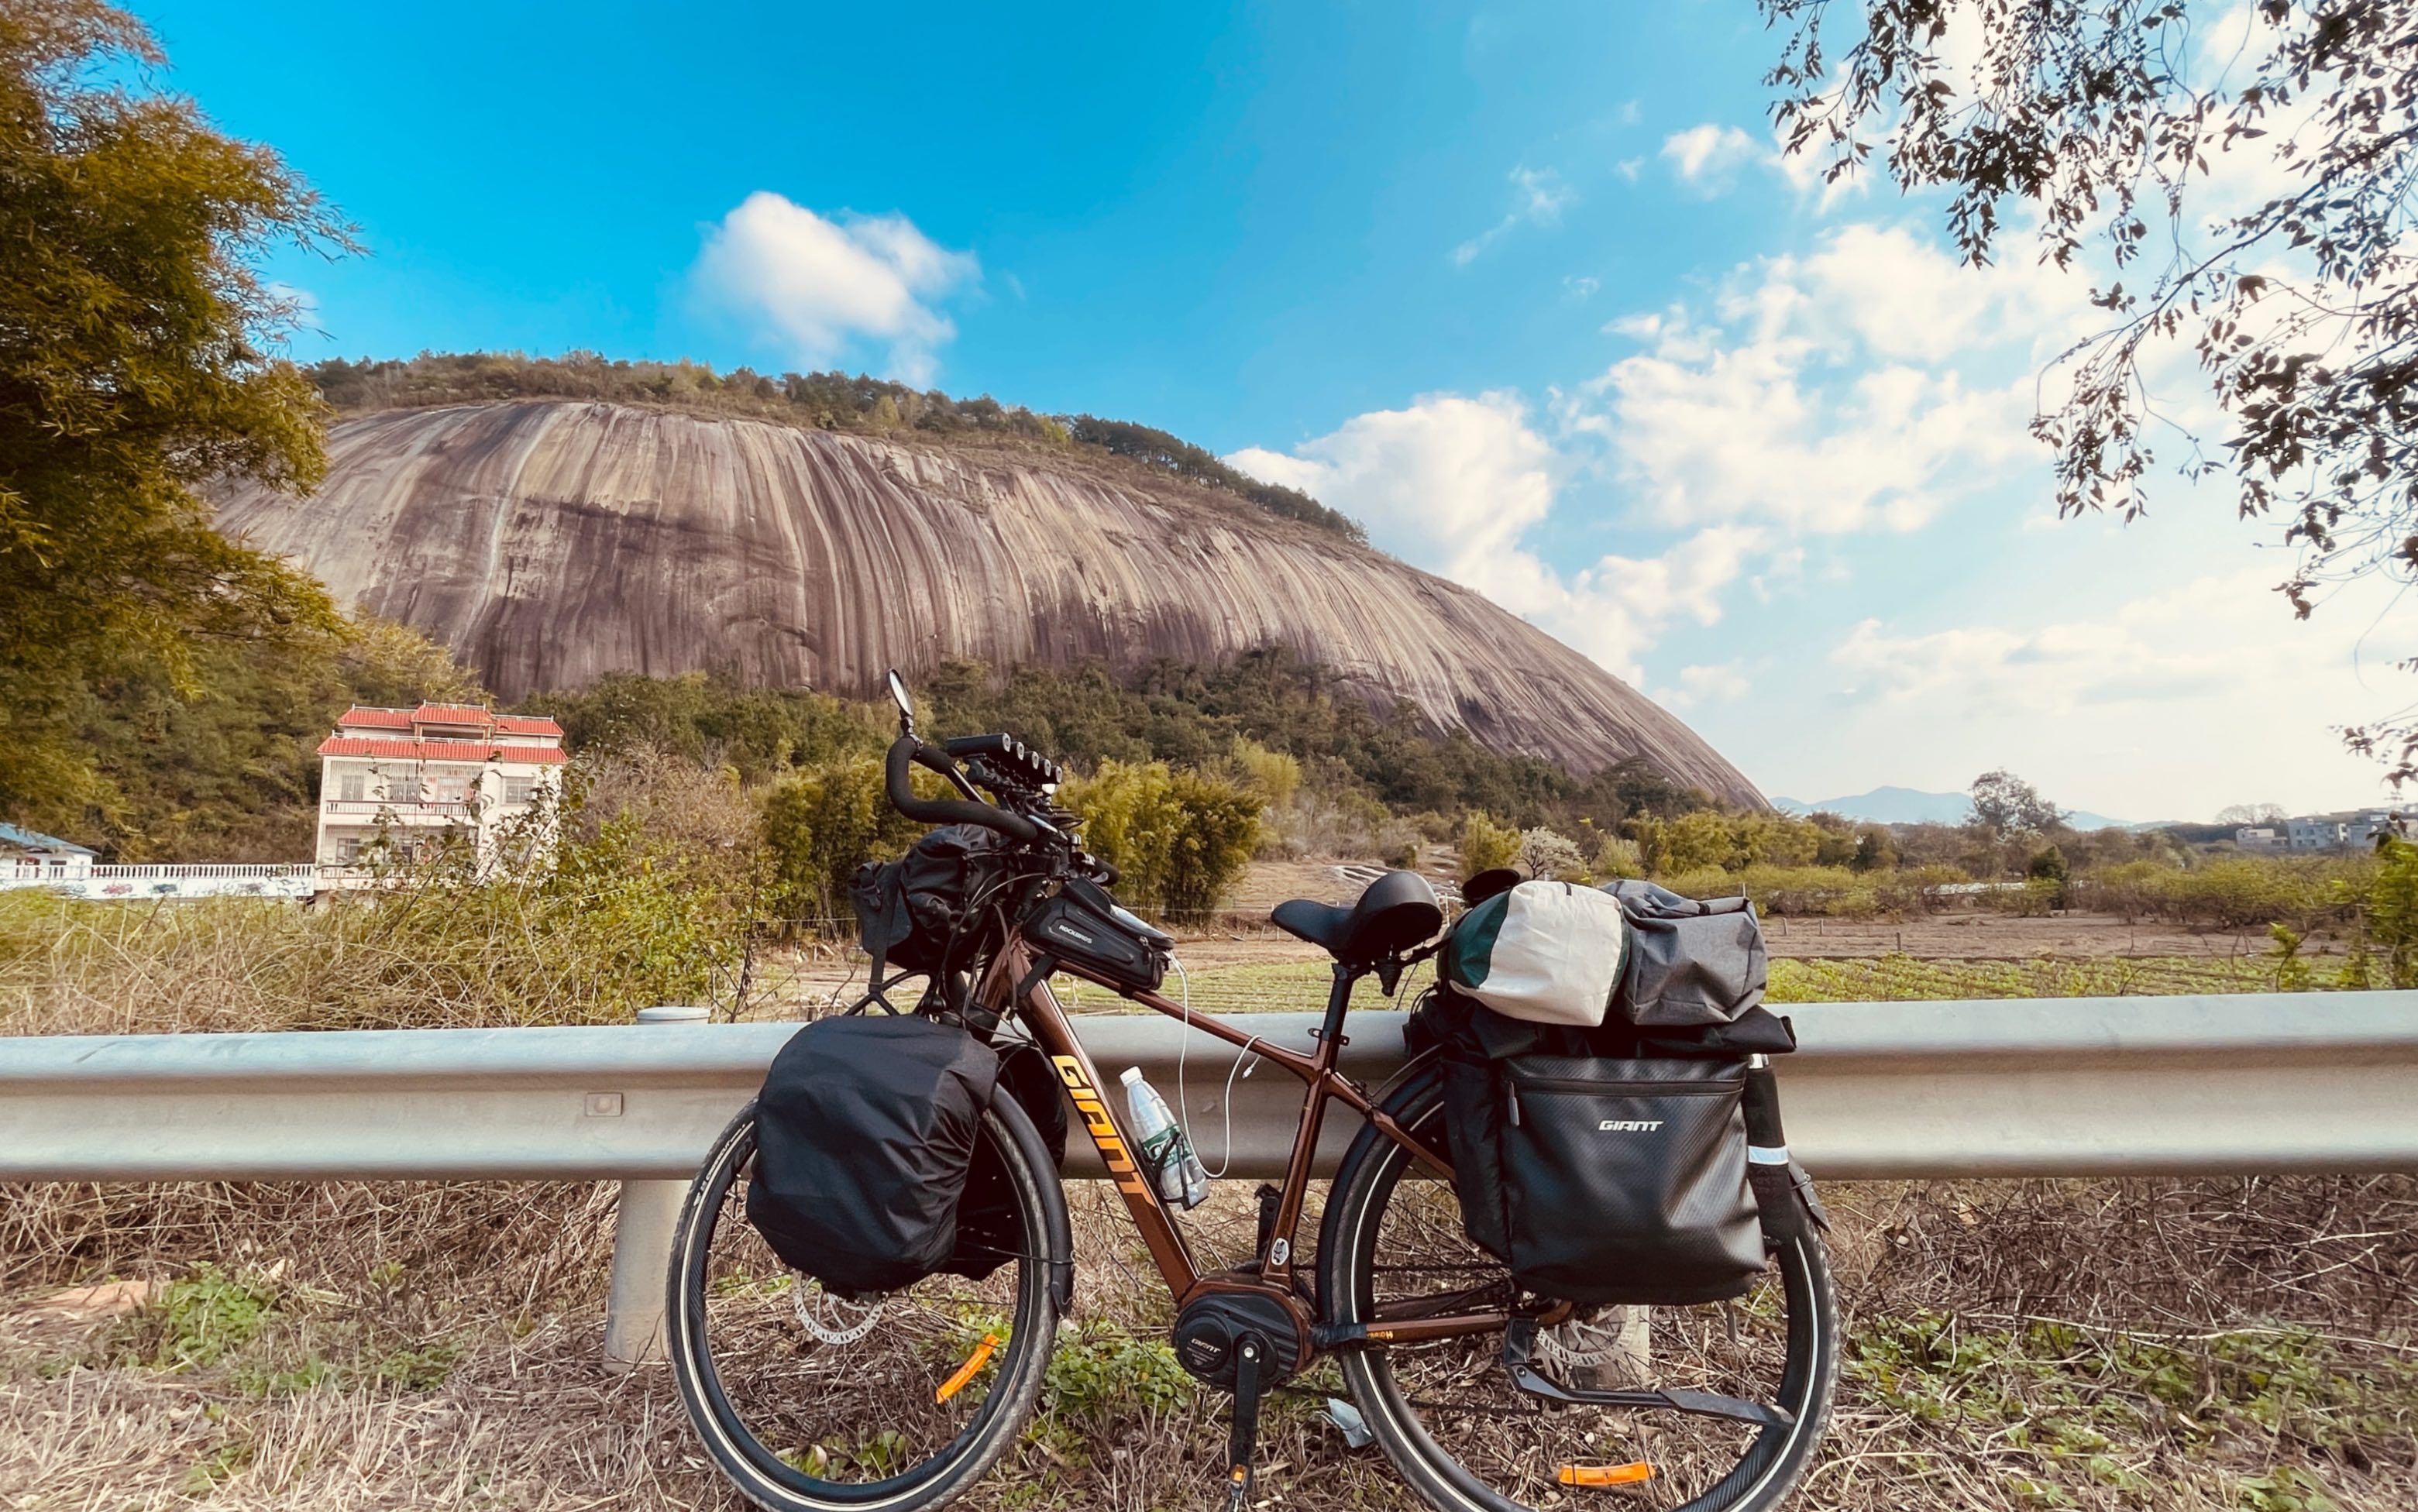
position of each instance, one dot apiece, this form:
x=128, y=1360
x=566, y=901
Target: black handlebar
x=906, y=751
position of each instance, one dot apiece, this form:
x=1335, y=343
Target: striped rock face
x=549, y=543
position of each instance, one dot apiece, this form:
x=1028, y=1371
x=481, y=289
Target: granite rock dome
x=550, y=543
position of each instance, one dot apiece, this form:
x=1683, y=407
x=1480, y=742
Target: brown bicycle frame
x=1047, y=1021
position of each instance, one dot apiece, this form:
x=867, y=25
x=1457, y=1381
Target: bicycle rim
x=812, y=1401
x=1469, y=1441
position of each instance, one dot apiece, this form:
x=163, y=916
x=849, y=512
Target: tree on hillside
x=2240, y=177
x=2005, y=804
x=2240, y=813
x=136, y=364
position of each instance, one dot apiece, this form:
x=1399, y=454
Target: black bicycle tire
x=1760, y=1481
x=938, y=1480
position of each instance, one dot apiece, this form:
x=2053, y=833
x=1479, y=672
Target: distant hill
x=1911, y=805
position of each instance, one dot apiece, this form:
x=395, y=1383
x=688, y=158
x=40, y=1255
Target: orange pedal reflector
x=1632, y=1473
x=967, y=1371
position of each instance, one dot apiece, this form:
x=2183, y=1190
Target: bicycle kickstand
x=1244, y=1438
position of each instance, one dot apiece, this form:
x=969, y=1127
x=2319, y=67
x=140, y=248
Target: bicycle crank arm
x=1520, y=1339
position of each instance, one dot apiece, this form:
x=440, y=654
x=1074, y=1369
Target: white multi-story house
x=405, y=781
x=2317, y=833
x=2258, y=838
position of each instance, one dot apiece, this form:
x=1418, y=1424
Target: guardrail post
x=642, y=1248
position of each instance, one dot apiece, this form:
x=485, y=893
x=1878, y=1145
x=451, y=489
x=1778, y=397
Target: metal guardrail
x=2080, y=1086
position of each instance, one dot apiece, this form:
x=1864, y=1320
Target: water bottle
x=1165, y=1152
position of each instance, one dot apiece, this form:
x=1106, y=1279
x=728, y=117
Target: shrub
x=1486, y=845
x=1180, y=838
x=650, y=901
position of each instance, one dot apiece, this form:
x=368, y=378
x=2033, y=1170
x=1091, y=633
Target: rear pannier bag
x=1547, y=953
x=865, y=1134
x=1607, y=1181
x=1690, y=961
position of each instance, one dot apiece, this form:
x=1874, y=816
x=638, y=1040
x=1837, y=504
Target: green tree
x=136, y=364
x=2005, y=804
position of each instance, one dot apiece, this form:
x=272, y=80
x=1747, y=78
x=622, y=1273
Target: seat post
x=1339, y=1000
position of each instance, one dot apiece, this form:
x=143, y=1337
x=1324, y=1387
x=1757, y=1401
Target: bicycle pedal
x=1238, y=1487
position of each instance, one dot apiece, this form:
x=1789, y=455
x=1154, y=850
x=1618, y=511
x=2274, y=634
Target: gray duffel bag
x=1691, y=960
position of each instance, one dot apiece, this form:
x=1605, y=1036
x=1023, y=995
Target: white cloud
x=1628, y=168
x=1826, y=392
x=2167, y=706
x=1706, y=155
x=1721, y=682
x=821, y=284
x=1580, y=286
x=1538, y=199
x=1453, y=485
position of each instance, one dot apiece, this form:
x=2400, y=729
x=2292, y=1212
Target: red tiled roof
x=545, y=756
x=360, y=717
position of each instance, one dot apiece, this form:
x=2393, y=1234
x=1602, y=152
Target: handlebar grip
x=906, y=751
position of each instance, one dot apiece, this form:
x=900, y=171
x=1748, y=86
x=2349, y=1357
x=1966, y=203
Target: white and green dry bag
x=1550, y=953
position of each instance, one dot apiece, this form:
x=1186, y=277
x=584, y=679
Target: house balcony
x=403, y=811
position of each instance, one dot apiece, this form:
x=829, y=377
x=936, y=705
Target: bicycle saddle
x=1397, y=910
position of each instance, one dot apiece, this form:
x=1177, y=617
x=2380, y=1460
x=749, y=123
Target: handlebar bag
x=1599, y=1179
x=1542, y=952
x=924, y=914
x=1691, y=960
x=866, y=1134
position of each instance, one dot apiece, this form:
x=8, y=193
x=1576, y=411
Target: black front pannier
x=1601, y=1179
x=866, y=1134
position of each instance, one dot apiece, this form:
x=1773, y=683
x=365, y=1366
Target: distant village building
x=2358, y=831
x=399, y=782
x=31, y=854
x=2317, y=833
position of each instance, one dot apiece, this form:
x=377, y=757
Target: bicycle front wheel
x=815, y=1402
x=1469, y=1439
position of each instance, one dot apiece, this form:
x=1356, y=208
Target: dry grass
x=2196, y=1345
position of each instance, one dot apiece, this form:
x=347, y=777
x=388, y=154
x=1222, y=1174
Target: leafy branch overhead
x=137, y=363
x=2239, y=181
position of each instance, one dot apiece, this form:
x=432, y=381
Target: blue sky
x=1522, y=286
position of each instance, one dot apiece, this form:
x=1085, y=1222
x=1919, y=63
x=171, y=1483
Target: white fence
x=131, y=883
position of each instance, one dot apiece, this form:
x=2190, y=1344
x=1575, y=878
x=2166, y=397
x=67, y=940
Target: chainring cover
x=1209, y=1329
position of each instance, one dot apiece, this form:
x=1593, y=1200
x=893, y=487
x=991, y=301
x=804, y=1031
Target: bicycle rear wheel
x=813, y=1403
x=1468, y=1439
